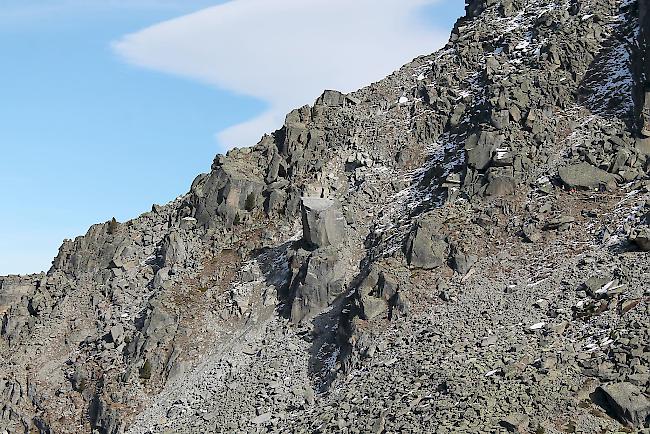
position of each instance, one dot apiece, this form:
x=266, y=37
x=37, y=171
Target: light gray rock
x=584, y=175
x=628, y=403
x=500, y=186
x=261, y=419
x=117, y=333
x=463, y=262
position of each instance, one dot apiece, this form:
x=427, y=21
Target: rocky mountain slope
x=458, y=248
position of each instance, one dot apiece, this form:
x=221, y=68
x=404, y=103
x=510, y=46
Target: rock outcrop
x=459, y=247
x=323, y=223
x=318, y=268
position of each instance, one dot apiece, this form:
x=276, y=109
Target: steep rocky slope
x=460, y=247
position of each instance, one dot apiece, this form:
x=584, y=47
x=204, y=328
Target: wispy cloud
x=285, y=52
x=11, y=10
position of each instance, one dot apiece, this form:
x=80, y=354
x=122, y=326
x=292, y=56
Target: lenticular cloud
x=284, y=52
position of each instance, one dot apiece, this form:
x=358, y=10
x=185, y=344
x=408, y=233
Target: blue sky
x=98, y=120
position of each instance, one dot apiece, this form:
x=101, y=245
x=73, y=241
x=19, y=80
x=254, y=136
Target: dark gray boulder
x=319, y=282
x=500, y=186
x=479, y=148
x=641, y=238
x=425, y=247
x=173, y=249
x=463, y=262
x=226, y=192
x=323, y=223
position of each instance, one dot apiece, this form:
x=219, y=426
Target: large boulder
x=320, y=280
x=479, y=148
x=173, y=249
x=229, y=190
x=323, y=223
x=92, y=252
x=331, y=98
x=641, y=237
x=627, y=403
x=425, y=247
x=380, y=295
x=585, y=176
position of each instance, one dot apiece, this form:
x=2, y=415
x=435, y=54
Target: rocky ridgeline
x=460, y=247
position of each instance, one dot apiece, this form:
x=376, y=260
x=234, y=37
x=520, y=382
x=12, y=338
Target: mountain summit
x=458, y=248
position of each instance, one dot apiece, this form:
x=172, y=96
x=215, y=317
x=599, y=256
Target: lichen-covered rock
x=225, y=192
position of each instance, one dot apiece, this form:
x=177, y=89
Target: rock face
x=320, y=279
x=459, y=247
x=319, y=275
x=323, y=223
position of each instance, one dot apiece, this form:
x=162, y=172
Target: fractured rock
x=173, y=249
x=320, y=281
x=641, y=238
x=380, y=294
x=323, y=223
x=463, y=262
x=516, y=423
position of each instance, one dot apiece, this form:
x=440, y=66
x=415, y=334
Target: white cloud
x=26, y=11
x=285, y=52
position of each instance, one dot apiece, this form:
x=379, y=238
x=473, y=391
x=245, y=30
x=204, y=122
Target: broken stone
x=320, y=281
x=562, y=222
x=117, y=333
x=500, y=186
x=262, y=418
x=173, y=249
x=463, y=262
x=516, y=423
x=531, y=233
